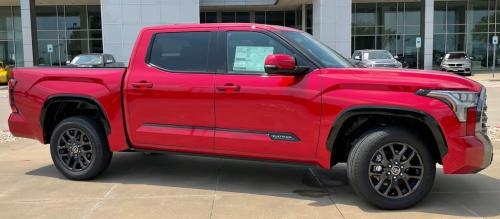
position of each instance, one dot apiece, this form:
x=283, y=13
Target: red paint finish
x=235, y=115
x=281, y=61
x=36, y=85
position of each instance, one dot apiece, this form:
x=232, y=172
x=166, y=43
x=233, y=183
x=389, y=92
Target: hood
x=82, y=65
x=456, y=61
x=399, y=79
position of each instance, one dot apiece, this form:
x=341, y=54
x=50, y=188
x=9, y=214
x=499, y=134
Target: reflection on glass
x=466, y=26
x=392, y=26
x=11, y=50
x=70, y=30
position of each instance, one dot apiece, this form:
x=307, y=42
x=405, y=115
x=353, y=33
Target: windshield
x=377, y=55
x=323, y=54
x=87, y=60
x=455, y=56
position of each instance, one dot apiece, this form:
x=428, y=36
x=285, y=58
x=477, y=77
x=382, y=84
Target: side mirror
x=396, y=57
x=440, y=58
x=108, y=61
x=68, y=62
x=281, y=64
x=471, y=58
x=357, y=57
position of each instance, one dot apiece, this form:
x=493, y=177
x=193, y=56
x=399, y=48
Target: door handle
x=229, y=87
x=142, y=84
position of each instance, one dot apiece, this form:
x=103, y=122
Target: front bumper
x=471, y=154
x=457, y=69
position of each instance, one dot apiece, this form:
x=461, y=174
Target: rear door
x=169, y=99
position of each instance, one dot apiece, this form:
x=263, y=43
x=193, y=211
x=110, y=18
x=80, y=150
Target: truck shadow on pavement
x=175, y=174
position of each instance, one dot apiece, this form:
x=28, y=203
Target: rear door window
x=181, y=52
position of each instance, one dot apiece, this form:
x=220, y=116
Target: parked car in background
x=261, y=92
x=402, y=59
x=93, y=60
x=375, y=59
x=457, y=62
x=4, y=73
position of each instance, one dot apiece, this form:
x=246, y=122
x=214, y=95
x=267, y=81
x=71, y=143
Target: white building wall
x=332, y=24
x=26, y=29
x=123, y=19
x=429, y=34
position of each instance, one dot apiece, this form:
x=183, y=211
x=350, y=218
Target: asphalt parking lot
x=182, y=186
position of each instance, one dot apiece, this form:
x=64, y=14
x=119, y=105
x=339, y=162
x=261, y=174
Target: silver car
x=456, y=62
x=375, y=59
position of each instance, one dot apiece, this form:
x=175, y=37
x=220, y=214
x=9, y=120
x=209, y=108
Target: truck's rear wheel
x=79, y=148
x=391, y=168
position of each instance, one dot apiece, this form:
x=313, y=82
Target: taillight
x=12, y=85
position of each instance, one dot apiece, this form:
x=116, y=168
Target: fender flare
x=75, y=99
x=389, y=111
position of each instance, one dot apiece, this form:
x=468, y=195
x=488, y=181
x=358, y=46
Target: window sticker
x=251, y=58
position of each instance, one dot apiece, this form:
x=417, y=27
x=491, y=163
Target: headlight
x=459, y=101
x=399, y=65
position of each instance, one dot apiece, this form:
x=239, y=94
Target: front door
x=170, y=100
x=262, y=115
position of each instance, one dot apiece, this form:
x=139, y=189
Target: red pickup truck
x=263, y=92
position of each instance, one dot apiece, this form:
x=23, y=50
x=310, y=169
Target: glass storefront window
x=391, y=26
x=208, y=17
x=11, y=46
x=289, y=18
x=275, y=18
x=235, y=17
x=466, y=25
x=70, y=30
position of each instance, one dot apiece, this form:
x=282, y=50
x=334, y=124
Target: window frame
x=222, y=44
x=210, y=54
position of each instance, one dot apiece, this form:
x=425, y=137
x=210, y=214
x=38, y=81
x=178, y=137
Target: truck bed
x=36, y=85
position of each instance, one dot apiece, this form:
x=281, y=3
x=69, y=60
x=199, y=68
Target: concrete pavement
x=4, y=110
x=182, y=186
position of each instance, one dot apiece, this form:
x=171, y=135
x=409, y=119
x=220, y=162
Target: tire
x=364, y=159
x=79, y=148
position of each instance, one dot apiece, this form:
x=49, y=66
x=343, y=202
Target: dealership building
x=50, y=32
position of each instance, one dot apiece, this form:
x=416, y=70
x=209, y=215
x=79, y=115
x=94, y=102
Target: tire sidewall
x=99, y=147
x=363, y=153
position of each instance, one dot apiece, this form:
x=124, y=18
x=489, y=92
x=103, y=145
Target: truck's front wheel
x=79, y=148
x=391, y=168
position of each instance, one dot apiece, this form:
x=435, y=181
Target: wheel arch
x=345, y=118
x=53, y=106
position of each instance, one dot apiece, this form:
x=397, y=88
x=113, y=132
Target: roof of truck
x=223, y=25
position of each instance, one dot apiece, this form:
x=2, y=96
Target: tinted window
x=247, y=51
x=87, y=60
x=455, y=56
x=183, y=52
x=377, y=55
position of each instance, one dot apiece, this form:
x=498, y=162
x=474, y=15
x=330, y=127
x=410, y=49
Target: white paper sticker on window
x=251, y=58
